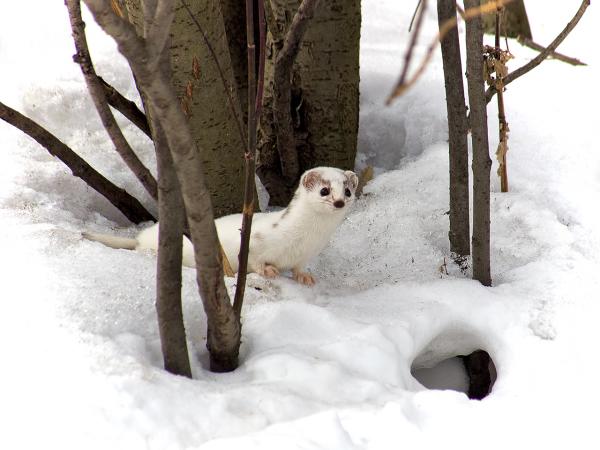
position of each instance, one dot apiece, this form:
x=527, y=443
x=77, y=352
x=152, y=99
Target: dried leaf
x=365, y=176
x=114, y=4
x=226, y=265
x=501, y=151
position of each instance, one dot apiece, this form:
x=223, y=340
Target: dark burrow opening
x=473, y=374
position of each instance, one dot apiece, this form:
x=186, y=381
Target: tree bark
x=214, y=128
x=129, y=206
x=168, y=280
x=223, y=338
x=514, y=21
x=459, y=233
x=481, y=155
x=171, y=212
x=324, y=92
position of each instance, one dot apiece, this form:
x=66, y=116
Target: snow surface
x=327, y=367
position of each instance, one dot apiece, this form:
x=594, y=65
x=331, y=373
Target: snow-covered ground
x=327, y=367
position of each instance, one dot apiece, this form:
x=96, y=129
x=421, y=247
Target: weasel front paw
x=269, y=271
x=303, y=277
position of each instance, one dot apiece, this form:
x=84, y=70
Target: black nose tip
x=339, y=203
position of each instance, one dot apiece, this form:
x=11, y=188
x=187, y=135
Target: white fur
x=282, y=240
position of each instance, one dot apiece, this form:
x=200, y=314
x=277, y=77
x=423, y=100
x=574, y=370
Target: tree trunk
x=223, y=339
x=459, y=233
x=514, y=21
x=481, y=155
x=171, y=212
x=168, y=278
x=324, y=88
x=202, y=95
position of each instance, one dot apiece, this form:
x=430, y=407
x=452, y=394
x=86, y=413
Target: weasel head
x=328, y=190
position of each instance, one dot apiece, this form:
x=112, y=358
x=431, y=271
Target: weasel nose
x=339, y=203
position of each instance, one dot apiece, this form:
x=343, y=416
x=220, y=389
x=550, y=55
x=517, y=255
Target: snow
x=327, y=367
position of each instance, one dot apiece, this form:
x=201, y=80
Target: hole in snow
x=454, y=360
x=473, y=374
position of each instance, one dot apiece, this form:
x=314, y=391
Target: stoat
x=281, y=240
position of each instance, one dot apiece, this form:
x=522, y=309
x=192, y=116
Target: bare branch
x=96, y=90
x=282, y=90
x=413, y=42
x=254, y=107
x=171, y=212
x=224, y=326
x=159, y=16
x=412, y=20
x=543, y=55
x=126, y=107
x=554, y=55
x=492, y=5
x=119, y=198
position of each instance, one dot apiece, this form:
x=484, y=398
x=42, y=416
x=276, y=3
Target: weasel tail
x=112, y=241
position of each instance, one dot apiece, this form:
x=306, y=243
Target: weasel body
x=281, y=240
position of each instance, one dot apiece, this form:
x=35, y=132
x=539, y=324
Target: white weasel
x=281, y=240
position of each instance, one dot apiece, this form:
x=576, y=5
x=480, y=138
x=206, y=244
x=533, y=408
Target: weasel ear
x=352, y=178
x=311, y=179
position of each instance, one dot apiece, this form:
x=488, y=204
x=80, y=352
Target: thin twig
x=238, y=120
x=555, y=55
x=412, y=20
x=249, y=184
x=97, y=93
x=413, y=42
x=399, y=89
x=129, y=206
x=282, y=90
x=543, y=55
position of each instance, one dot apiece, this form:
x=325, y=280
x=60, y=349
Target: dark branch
x=254, y=107
x=119, y=198
x=96, y=90
x=413, y=42
x=555, y=55
x=543, y=55
x=126, y=107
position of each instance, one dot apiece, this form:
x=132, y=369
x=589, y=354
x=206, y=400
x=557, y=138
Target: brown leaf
x=114, y=4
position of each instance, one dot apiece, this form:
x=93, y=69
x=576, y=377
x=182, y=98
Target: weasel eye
x=348, y=193
x=324, y=192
